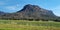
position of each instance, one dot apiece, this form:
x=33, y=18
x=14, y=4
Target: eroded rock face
x=32, y=12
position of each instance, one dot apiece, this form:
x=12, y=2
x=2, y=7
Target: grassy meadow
x=28, y=25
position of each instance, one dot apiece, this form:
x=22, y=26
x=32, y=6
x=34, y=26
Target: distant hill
x=1, y=13
x=31, y=12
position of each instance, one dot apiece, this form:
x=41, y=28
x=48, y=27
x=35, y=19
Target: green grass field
x=28, y=25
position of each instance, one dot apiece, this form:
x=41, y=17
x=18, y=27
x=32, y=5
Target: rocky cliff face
x=35, y=12
x=31, y=12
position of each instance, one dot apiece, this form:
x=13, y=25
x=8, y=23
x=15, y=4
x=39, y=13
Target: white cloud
x=2, y=3
x=56, y=10
x=15, y=7
x=11, y=7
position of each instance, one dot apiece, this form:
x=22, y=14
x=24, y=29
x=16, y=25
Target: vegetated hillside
x=1, y=13
x=31, y=12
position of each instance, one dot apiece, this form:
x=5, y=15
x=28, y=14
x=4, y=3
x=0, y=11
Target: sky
x=16, y=5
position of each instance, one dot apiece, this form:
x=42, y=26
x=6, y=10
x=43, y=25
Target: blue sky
x=16, y=5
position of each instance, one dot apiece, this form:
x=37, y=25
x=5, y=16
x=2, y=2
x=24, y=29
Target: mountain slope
x=31, y=12
x=35, y=12
x=1, y=13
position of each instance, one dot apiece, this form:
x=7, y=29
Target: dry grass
x=28, y=25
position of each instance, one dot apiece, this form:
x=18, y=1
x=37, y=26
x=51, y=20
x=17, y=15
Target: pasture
x=28, y=25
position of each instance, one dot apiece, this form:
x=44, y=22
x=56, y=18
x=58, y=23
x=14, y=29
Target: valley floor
x=28, y=25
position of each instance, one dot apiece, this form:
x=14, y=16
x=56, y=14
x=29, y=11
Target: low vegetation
x=28, y=25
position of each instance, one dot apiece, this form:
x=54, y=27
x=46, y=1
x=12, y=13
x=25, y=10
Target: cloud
x=56, y=10
x=2, y=3
x=13, y=7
